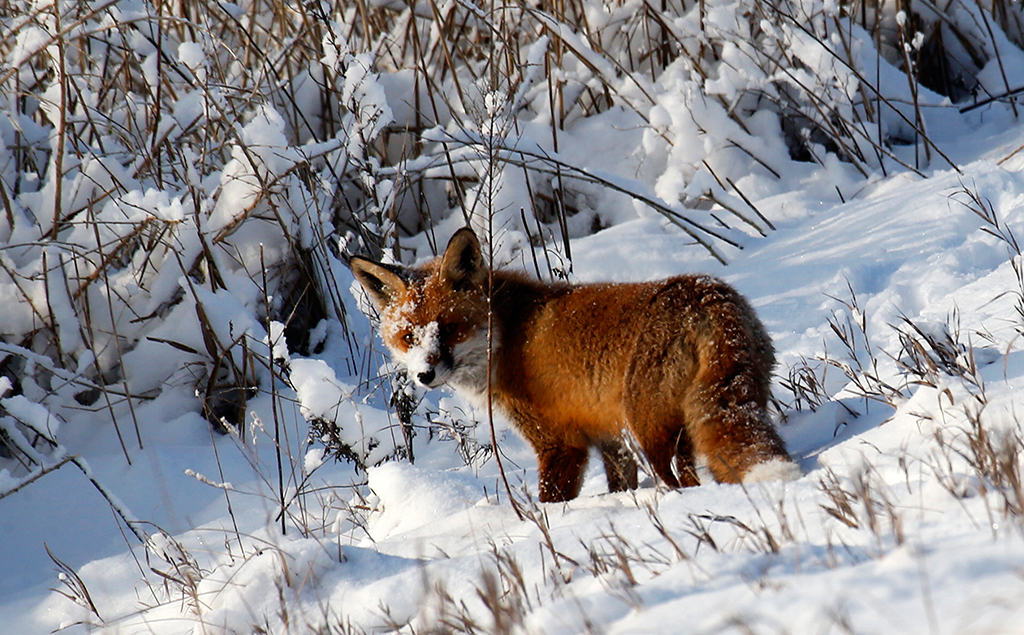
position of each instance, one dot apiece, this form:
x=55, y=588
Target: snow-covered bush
x=172, y=178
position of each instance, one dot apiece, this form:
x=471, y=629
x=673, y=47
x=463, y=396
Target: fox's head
x=433, y=318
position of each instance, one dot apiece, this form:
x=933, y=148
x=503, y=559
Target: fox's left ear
x=462, y=265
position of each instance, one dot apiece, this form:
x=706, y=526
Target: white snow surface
x=929, y=551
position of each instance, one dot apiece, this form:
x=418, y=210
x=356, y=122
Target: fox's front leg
x=561, y=472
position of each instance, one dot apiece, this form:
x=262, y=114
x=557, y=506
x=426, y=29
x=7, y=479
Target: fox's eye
x=409, y=339
x=449, y=329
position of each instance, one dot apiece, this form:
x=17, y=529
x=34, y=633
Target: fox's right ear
x=381, y=283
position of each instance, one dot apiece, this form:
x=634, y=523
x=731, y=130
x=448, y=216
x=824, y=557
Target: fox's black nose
x=426, y=377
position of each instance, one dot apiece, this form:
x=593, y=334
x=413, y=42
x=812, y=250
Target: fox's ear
x=462, y=265
x=381, y=283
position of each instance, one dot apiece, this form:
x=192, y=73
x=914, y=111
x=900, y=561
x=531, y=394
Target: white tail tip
x=773, y=470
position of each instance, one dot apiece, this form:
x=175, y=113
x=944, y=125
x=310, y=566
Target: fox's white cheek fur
x=469, y=372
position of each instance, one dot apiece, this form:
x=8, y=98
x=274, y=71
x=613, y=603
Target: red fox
x=683, y=364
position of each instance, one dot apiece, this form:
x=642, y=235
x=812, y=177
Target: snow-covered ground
x=925, y=544
x=890, y=281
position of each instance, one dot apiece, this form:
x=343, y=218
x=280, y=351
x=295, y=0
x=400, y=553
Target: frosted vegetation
x=180, y=338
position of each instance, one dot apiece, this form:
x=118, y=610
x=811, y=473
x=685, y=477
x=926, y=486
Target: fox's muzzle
x=437, y=369
x=425, y=377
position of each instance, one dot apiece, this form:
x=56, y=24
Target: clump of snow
x=32, y=414
x=313, y=459
x=408, y=497
x=318, y=389
x=191, y=54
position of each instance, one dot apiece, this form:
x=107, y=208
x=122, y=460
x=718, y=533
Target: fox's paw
x=773, y=470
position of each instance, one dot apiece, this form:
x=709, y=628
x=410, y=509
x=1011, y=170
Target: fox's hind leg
x=561, y=472
x=685, y=467
x=619, y=465
x=661, y=433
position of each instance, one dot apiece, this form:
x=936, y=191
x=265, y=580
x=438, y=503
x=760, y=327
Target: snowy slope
x=925, y=544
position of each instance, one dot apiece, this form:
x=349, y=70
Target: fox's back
x=565, y=347
x=571, y=352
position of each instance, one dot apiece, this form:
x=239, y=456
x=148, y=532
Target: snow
x=931, y=557
x=891, y=286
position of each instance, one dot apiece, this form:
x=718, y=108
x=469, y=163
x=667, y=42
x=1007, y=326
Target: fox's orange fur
x=683, y=364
